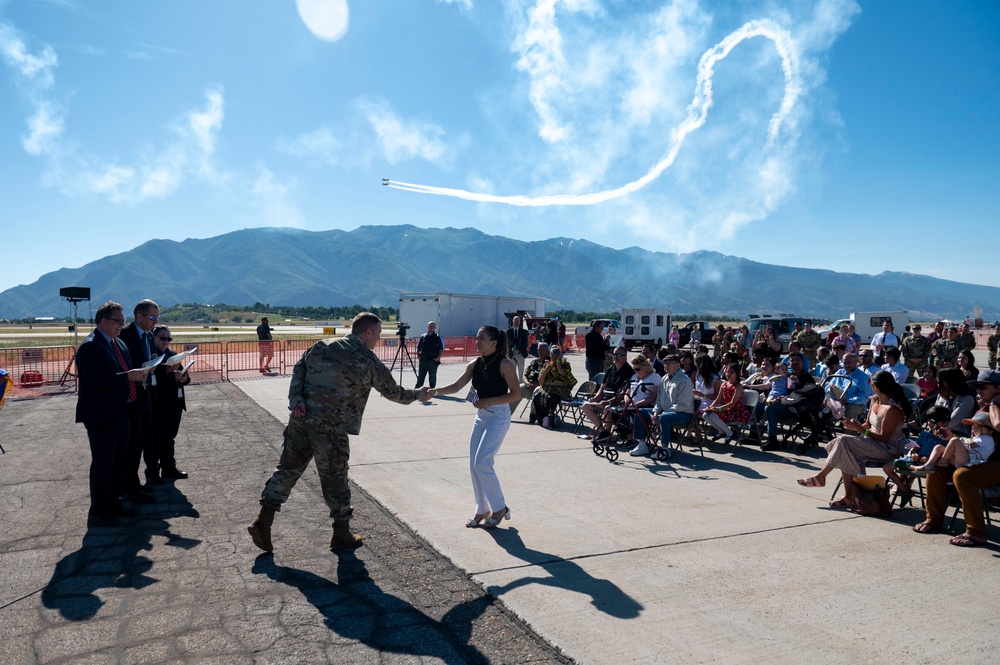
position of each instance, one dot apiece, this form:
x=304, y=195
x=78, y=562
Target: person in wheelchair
x=617, y=414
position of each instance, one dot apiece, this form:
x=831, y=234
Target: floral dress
x=737, y=414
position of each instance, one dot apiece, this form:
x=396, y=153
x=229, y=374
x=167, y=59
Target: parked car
x=707, y=332
x=783, y=325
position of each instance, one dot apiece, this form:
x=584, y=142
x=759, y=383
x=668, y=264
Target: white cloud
x=610, y=89
x=320, y=144
x=34, y=69
x=271, y=199
x=45, y=127
x=400, y=139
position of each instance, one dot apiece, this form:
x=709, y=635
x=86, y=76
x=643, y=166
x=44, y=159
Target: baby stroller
x=816, y=409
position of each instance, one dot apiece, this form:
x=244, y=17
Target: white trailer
x=460, y=314
x=868, y=324
x=642, y=326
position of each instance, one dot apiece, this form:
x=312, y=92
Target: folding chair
x=958, y=504
x=750, y=399
x=574, y=407
x=693, y=433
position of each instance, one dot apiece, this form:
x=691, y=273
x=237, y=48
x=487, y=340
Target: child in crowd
x=779, y=385
x=928, y=381
x=819, y=371
x=963, y=451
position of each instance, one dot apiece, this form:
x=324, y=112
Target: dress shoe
x=154, y=480
x=139, y=497
x=174, y=474
x=122, y=511
x=101, y=519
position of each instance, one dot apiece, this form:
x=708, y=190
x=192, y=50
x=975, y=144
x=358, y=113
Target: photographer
x=429, y=349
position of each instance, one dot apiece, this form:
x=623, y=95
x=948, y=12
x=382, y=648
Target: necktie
x=145, y=343
x=124, y=366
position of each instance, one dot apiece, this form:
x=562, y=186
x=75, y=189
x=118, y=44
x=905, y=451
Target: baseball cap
x=988, y=376
x=982, y=419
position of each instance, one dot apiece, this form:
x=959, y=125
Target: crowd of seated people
x=957, y=403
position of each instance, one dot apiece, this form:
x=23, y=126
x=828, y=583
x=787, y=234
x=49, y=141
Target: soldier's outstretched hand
x=425, y=394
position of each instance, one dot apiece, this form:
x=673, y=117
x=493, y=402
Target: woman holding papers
x=494, y=387
x=168, y=404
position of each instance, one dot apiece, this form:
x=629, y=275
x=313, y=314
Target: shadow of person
x=355, y=607
x=565, y=574
x=109, y=557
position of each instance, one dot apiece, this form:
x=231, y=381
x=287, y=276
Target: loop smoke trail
x=696, y=116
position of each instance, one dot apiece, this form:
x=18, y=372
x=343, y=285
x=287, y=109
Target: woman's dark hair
x=968, y=356
x=498, y=336
x=954, y=380
x=733, y=367
x=932, y=368
x=705, y=367
x=886, y=383
x=158, y=329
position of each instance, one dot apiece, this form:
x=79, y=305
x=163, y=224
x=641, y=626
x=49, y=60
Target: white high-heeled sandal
x=492, y=523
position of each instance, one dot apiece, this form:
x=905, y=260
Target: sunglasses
x=619, y=355
x=154, y=319
x=165, y=339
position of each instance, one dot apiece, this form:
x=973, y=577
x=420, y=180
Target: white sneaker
x=639, y=451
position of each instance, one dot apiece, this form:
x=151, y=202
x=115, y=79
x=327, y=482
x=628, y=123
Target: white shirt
x=885, y=339
x=899, y=372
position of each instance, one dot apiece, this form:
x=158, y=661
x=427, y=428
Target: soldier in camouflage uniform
x=966, y=339
x=810, y=341
x=916, y=350
x=327, y=398
x=946, y=349
x=992, y=342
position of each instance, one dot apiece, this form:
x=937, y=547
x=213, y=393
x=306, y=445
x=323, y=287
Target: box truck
x=642, y=326
x=460, y=314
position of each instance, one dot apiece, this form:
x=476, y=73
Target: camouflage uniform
x=946, y=352
x=991, y=346
x=966, y=341
x=333, y=381
x=810, y=341
x=915, y=352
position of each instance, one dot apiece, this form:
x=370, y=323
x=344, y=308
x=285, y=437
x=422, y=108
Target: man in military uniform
x=992, y=342
x=916, y=350
x=796, y=331
x=327, y=398
x=966, y=339
x=810, y=341
x=946, y=349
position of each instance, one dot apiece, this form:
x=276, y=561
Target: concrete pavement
x=722, y=558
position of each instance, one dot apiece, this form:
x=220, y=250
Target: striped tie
x=124, y=366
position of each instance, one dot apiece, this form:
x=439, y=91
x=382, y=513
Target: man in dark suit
x=139, y=340
x=517, y=338
x=106, y=387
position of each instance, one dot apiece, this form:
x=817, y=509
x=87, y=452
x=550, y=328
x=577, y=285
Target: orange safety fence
x=42, y=370
x=51, y=370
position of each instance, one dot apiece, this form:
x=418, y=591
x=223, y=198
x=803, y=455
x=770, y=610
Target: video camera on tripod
x=401, y=329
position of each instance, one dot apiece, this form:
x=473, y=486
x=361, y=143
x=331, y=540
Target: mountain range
x=371, y=265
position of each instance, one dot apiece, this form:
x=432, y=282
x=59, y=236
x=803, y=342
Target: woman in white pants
x=494, y=387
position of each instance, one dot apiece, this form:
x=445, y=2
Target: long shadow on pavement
x=355, y=607
x=109, y=557
x=564, y=574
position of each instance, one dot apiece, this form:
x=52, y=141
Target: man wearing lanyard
x=139, y=341
x=107, y=388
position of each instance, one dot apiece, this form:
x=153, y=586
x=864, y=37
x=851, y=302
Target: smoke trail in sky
x=697, y=114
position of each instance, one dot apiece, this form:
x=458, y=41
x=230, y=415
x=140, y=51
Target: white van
x=867, y=324
x=643, y=326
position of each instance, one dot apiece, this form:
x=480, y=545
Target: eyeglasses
x=165, y=339
x=120, y=322
x=154, y=319
x=620, y=355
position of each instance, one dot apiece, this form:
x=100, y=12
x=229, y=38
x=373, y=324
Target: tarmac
x=714, y=558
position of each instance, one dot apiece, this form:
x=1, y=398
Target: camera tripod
x=402, y=355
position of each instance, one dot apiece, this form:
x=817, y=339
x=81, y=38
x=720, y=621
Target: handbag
x=874, y=502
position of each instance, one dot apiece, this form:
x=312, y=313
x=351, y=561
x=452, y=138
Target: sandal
x=926, y=527
x=814, y=481
x=476, y=521
x=967, y=540
x=841, y=503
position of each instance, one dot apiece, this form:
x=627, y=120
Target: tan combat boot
x=260, y=529
x=342, y=536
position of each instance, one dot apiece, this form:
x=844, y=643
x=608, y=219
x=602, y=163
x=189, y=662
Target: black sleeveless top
x=486, y=377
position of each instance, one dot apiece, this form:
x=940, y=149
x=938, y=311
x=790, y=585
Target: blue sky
x=857, y=137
